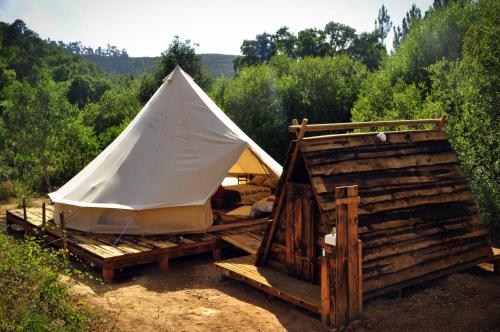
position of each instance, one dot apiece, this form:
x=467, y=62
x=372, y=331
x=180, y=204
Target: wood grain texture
x=417, y=215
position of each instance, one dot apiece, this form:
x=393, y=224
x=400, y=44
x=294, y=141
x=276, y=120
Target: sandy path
x=192, y=297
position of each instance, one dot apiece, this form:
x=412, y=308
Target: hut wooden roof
x=417, y=216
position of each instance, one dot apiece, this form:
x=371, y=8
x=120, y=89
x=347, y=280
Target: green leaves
x=448, y=63
x=263, y=99
x=32, y=298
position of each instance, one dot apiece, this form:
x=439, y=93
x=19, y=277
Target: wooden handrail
x=439, y=123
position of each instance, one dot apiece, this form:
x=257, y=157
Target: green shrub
x=31, y=296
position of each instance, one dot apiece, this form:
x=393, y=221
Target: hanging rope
x=123, y=232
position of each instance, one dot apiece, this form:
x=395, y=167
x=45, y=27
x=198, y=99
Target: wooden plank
x=401, y=262
x=339, y=141
x=412, y=245
x=417, y=175
x=369, y=124
x=423, y=269
x=383, y=163
x=281, y=198
x=353, y=259
x=360, y=276
x=298, y=292
x=325, y=291
x=424, y=278
x=243, y=241
x=341, y=294
x=235, y=225
x=375, y=151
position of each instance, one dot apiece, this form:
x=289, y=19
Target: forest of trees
x=58, y=110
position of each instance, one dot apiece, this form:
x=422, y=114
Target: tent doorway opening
x=246, y=192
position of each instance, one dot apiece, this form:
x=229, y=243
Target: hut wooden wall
x=417, y=216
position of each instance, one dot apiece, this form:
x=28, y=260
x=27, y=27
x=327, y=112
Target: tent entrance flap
x=248, y=163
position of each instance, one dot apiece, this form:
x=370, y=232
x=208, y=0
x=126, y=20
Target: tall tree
x=179, y=53
x=312, y=42
x=383, y=24
x=340, y=36
x=256, y=51
x=411, y=18
x=285, y=41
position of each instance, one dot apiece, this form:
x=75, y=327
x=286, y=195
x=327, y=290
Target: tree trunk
x=45, y=174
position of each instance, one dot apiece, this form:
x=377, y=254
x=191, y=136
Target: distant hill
x=216, y=64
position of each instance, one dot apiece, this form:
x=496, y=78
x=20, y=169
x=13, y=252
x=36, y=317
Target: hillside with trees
x=113, y=60
x=59, y=110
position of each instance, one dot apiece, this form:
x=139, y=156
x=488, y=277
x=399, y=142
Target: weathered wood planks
x=106, y=252
x=300, y=293
x=417, y=216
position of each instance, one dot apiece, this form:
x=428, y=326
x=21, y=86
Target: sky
x=146, y=27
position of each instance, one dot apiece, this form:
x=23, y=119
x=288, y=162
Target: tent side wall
x=170, y=220
x=417, y=217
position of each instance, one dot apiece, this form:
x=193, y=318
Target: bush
x=32, y=297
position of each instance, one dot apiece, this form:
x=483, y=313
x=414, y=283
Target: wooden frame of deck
x=101, y=250
x=273, y=282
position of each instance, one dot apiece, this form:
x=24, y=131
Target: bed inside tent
x=247, y=191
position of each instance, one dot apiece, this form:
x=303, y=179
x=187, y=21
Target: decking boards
x=274, y=282
x=108, y=252
x=248, y=241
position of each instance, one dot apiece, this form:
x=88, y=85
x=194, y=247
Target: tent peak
x=170, y=76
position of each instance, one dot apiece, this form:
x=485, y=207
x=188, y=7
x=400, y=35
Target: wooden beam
x=25, y=218
x=295, y=123
x=342, y=282
x=442, y=122
x=371, y=124
x=64, y=235
x=265, y=253
x=44, y=222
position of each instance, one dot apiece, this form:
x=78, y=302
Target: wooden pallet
x=496, y=259
x=273, y=282
x=106, y=252
x=248, y=241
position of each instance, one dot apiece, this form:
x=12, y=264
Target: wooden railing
x=306, y=127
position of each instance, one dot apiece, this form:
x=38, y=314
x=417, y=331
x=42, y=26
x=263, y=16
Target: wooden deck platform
x=106, y=252
x=248, y=241
x=273, y=282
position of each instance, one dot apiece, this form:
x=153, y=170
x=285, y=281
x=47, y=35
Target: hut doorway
x=300, y=232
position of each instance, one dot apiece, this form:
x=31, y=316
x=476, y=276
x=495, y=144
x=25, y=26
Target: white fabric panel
x=163, y=168
x=175, y=152
x=171, y=220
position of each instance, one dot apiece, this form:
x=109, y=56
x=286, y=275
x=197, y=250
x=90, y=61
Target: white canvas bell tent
x=159, y=174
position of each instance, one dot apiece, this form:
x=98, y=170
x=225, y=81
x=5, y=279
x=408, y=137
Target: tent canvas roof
x=175, y=152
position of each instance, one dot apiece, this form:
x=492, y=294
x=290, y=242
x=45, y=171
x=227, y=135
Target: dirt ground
x=191, y=296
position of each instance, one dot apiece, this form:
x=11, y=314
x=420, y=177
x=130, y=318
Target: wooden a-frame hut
x=416, y=219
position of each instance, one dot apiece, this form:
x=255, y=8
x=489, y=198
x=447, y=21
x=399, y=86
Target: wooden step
x=301, y=293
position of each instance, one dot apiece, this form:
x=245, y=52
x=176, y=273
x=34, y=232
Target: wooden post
x=25, y=217
x=163, y=264
x=107, y=274
x=341, y=270
x=295, y=123
x=341, y=289
x=63, y=227
x=353, y=275
x=44, y=221
x=328, y=280
x=442, y=122
x=216, y=253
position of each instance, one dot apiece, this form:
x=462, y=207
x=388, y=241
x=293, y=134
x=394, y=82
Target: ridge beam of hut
x=296, y=128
